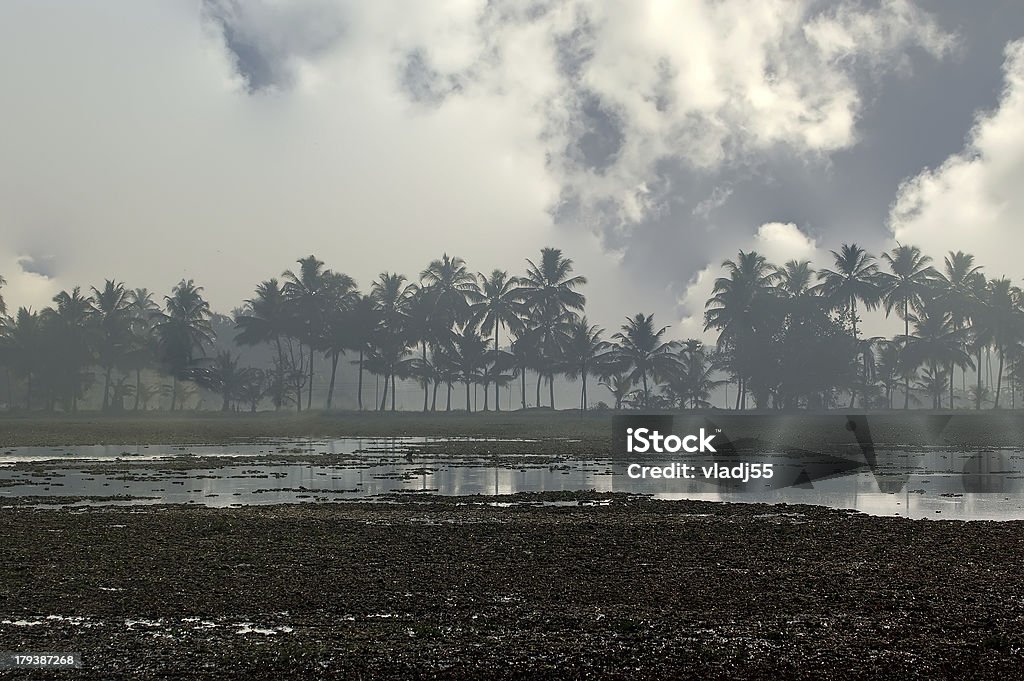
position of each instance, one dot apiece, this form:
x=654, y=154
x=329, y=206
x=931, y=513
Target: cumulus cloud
x=778, y=242
x=973, y=201
x=221, y=140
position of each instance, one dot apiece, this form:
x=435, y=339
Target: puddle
x=936, y=484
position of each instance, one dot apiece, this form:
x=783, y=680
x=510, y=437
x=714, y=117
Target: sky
x=649, y=140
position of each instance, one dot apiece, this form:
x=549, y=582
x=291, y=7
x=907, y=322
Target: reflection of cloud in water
x=931, y=483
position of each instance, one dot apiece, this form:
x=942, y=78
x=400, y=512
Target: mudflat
x=595, y=587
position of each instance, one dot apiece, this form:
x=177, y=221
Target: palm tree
x=855, y=278
x=363, y=321
x=266, y=319
x=619, y=386
x=523, y=356
x=497, y=301
x=957, y=293
x=3, y=305
x=641, y=350
x=470, y=353
x=449, y=284
x=736, y=309
x=1006, y=324
x=583, y=352
x=182, y=330
x=936, y=343
x=794, y=279
x=70, y=322
x=23, y=346
x=306, y=293
x=909, y=284
x=110, y=311
x=142, y=311
x=224, y=377
x=391, y=299
x=695, y=375
x=550, y=295
x=340, y=295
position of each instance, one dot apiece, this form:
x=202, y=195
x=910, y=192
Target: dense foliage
x=788, y=337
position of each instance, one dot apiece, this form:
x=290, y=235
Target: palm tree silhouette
x=550, y=295
x=24, y=348
x=855, y=278
x=266, y=319
x=306, y=293
x=363, y=321
x=1005, y=323
x=957, y=293
x=391, y=297
x=183, y=329
x=734, y=309
x=642, y=352
x=72, y=339
x=110, y=311
x=584, y=351
x=910, y=282
x=497, y=301
x=142, y=311
x=935, y=342
x=339, y=297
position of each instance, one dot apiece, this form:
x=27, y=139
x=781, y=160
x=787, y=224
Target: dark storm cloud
x=265, y=39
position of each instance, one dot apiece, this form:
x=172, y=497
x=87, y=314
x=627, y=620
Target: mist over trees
x=789, y=337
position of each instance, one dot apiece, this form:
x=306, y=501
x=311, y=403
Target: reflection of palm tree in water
x=990, y=472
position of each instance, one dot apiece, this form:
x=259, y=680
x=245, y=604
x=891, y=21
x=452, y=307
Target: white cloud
x=973, y=201
x=778, y=242
x=132, y=149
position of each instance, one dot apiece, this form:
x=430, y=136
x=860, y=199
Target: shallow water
x=919, y=484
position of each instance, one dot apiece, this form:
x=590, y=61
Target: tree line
x=788, y=337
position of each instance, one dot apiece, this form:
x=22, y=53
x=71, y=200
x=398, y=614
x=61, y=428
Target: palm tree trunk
x=138, y=389
x=906, y=339
x=496, y=387
x=106, y=388
x=433, y=400
x=174, y=391
x=999, y=377
x=977, y=395
x=309, y=388
x=539, y=377
x=551, y=389
x=469, y=406
x=952, y=368
x=583, y=393
x=426, y=381
x=392, y=390
x=523, y=377
x=448, y=407
x=384, y=400
x=334, y=373
x=359, y=390
x=298, y=387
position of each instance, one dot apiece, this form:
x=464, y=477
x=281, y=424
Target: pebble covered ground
x=593, y=587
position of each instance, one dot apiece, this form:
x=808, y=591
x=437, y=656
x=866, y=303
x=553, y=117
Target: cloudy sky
x=221, y=140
